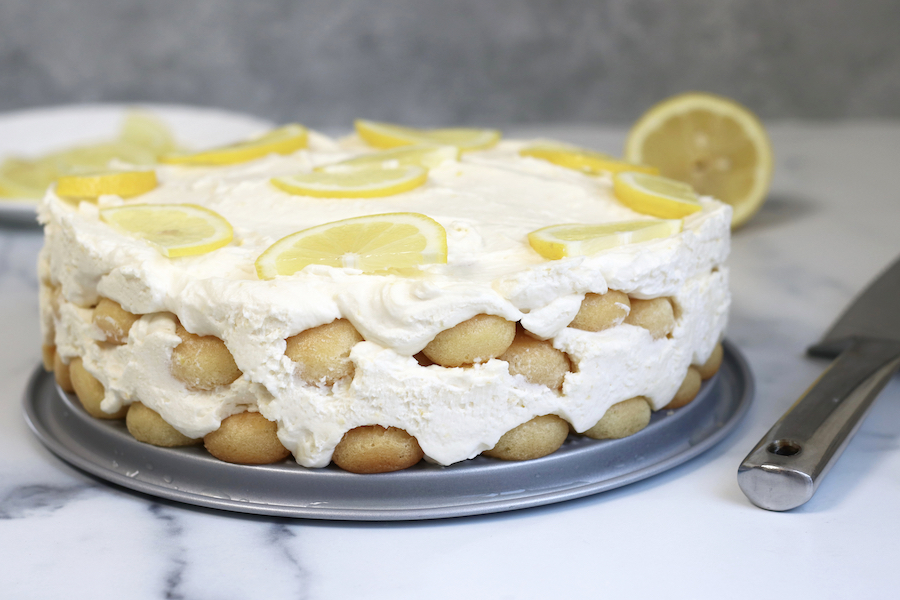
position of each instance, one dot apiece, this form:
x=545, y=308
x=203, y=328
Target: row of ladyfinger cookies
x=321, y=355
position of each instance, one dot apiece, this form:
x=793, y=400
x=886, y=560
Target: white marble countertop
x=829, y=226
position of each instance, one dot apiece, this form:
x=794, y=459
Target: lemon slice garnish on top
x=388, y=135
x=384, y=243
x=655, y=196
x=175, y=229
x=582, y=159
x=576, y=239
x=356, y=183
x=713, y=143
x=419, y=155
x=125, y=184
x=284, y=140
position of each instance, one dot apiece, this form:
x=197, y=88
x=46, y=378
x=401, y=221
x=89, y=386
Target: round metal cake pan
x=479, y=486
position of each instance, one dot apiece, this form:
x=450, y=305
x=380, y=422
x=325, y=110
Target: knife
x=786, y=467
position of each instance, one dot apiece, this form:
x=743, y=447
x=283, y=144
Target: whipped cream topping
x=488, y=202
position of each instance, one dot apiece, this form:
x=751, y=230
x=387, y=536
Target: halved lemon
x=576, y=239
x=356, y=183
x=582, y=159
x=388, y=135
x=175, y=229
x=126, y=184
x=419, y=155
x=392, y=242
x=283, y=140
x=655, y=196
x=713, y=143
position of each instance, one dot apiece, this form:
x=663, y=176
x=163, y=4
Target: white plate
x=32, y=133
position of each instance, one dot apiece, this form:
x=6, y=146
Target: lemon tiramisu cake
x=379, y=299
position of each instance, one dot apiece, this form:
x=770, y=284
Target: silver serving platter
x=479, y=486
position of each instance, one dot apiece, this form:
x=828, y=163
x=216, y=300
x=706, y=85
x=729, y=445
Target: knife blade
x=786, y=467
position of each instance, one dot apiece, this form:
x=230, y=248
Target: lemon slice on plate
x=582, y=159
x=393, y=242
x=419, y=155
x=655, y=196
x=356, y=183
x=125, y=184
x=387, y=135
x=146, y=130
x=283, y=140
x=711, y=142
x=576, y=239
x=175, y=229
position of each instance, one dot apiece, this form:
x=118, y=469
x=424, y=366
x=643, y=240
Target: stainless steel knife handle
x=785, y=468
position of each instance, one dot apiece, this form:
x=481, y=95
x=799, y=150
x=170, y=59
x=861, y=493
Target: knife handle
x=785, y=468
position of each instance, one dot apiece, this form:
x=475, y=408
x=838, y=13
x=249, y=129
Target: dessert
x=385, y=324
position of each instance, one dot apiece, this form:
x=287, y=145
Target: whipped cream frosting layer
x=487, y=201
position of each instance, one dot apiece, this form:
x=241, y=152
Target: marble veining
x=794, y=268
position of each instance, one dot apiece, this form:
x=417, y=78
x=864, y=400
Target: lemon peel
x=384, y=243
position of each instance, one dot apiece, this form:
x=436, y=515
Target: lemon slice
x=575, y=239
x=655, y=196
x=357, y=183
x=20, y=178
x=146, y=130
x=387, y=135
x=582, y=159
x=175, y=229
x=393, y=242
x=713, y=143
x=283, y=140
x=125, y=184
x=419, y=155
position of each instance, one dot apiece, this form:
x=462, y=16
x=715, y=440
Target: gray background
x=324, y=62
